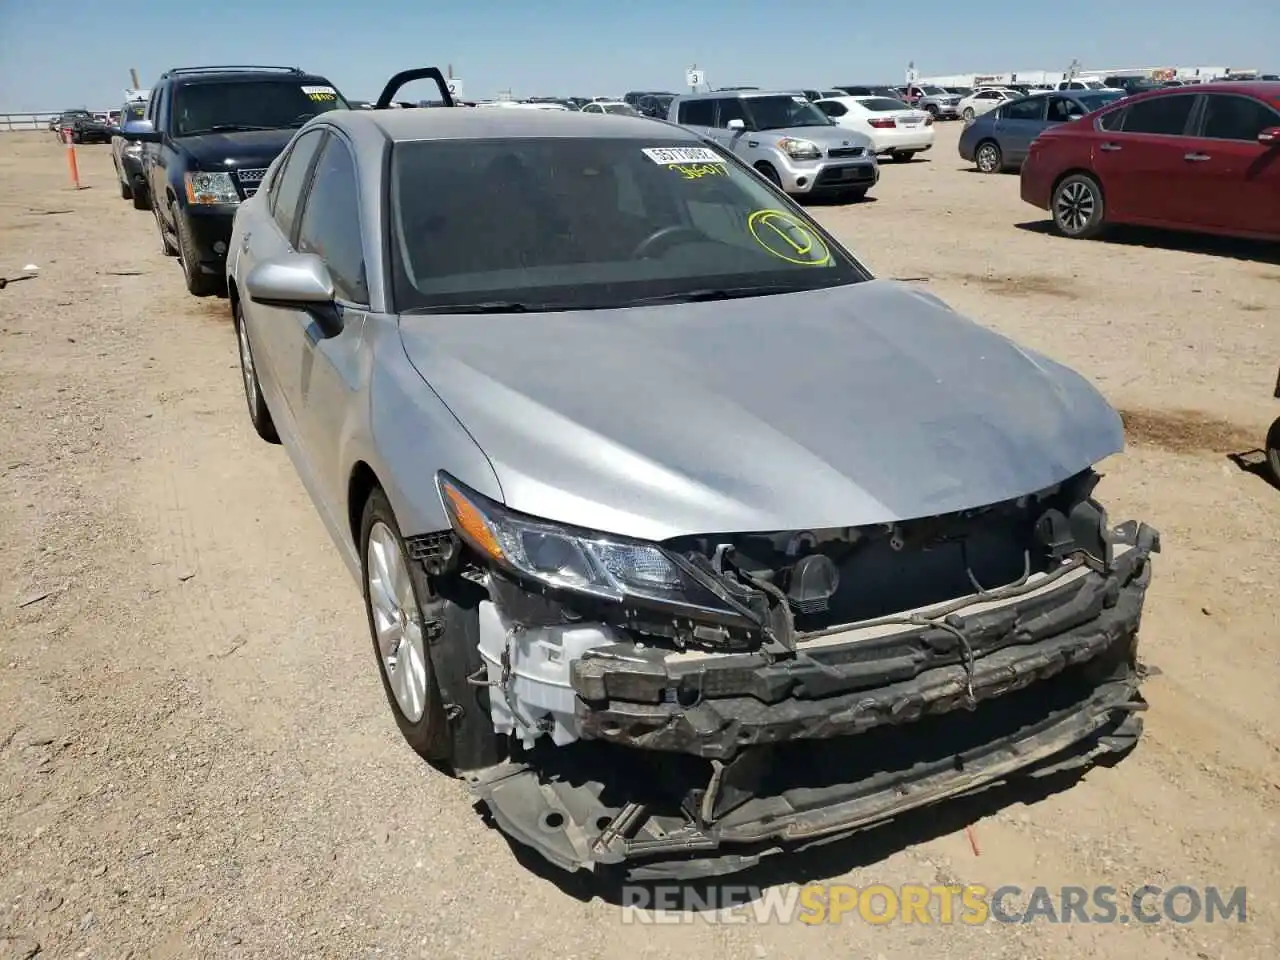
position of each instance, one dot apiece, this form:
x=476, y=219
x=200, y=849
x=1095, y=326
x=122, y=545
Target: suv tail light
x=882, y=123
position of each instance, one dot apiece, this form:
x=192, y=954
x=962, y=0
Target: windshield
x=622, y=108
x=133, y=111
x=880, y=104
x=783, y=111
x=251, y=105
x=1095, y=101
x=587, y=223
x=934, y=91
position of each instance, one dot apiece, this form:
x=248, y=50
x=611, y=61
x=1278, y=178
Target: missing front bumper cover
x=693, y=766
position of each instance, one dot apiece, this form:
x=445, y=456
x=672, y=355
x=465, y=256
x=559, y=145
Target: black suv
x=84, y=127
x=215, y=131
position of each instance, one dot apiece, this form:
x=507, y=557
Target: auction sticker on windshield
x=788, y=239
x=320, y=93
x=669, y=155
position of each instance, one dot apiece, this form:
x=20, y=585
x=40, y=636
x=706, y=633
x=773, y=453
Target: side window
x=1228, y=117
x=286, y=185
x=698, y=113
x=1062, y=109
x=730, y=109
x=331, y=222
x=592, y=108
x=1162, y=115
x=833, y=109
x=1112, y=120
x=1024, y=109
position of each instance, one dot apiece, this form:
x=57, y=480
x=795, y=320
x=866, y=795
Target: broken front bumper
x=683, y=754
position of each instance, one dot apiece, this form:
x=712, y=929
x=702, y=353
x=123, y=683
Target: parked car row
x=652, y=642
x=1203, y=157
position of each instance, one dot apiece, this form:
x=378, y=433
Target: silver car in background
x=786, y=138
x=681, y=538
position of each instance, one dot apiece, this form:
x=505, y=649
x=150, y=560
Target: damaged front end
x=686, y=708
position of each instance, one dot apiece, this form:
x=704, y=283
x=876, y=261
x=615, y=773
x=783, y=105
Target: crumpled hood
x=230, y=151
x=839, y=407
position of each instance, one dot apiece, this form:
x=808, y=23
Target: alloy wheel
x=246, y=367
x=397, y=622
x=988, y=159
x=1075, y=206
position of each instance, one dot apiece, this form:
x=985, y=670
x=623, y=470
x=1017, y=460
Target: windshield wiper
x=718, y=293
x=228, y=128
x=489, y=306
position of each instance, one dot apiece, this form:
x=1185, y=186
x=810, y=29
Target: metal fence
x=12, y=122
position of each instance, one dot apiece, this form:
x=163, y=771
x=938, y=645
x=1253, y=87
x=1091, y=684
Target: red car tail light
x=883, y=123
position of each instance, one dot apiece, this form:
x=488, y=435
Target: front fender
x=412, y=435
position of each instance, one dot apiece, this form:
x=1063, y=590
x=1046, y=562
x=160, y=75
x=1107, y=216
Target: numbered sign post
x=454, y=86
x=694, y=78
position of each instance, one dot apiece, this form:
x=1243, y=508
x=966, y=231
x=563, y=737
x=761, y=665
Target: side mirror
x=1270, y=137
x=299, y=281
x=137, y=134
x=736, y=124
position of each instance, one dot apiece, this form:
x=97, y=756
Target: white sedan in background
x=894, y=127
x=984, y=101
x=611, y=106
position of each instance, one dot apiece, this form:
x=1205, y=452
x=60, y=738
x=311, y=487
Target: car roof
x=469, y=123
x=740, y=94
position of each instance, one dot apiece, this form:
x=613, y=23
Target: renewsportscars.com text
x=970, y=905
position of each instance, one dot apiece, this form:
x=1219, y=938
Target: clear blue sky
x=576, y=47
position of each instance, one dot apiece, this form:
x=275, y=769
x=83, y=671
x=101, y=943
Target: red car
x=1203, y=158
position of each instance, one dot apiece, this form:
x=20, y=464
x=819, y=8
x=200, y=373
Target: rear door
x=1140, y=164
x=698, y=115
x=1238, y=178
x=1017, y=124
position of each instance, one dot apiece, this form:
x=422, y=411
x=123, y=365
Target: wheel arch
x=1077, y=171
x=361, y=483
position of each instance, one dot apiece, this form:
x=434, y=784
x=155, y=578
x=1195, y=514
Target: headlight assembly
x=800, y=149
x=581, y=561
x=209, y=186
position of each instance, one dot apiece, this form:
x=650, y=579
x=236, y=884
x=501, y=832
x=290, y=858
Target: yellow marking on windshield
x=696, y=171
x=782, y=235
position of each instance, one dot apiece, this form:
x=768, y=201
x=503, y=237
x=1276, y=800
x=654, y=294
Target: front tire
x=259, y=415
x=770, y=174
x=126, y=192
x=166, y=245
x=1273, y=451
x=425, y=643
x=1077, y=207
x=198, y=284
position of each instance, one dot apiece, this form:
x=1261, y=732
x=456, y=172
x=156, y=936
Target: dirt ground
x=195, y=755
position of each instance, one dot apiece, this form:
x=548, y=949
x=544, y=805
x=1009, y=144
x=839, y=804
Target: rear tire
x=1077, y=207
x=968, y=116
x=902, y=156
x=988, y=158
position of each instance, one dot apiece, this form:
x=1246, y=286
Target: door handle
x=1110, y=147
x=1195, y=157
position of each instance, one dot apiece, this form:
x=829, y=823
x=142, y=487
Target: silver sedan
x=678, y=533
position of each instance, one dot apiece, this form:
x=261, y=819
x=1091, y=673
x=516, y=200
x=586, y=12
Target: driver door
x=324, y=355
x=268, y=237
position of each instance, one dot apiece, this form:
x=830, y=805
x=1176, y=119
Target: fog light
x=219, y=247
x=802, y=181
